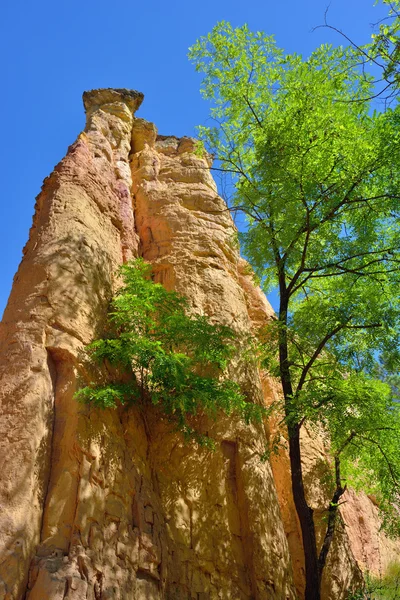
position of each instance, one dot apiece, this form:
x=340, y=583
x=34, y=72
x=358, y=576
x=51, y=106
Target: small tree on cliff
x=318, y=178
x=162, y=354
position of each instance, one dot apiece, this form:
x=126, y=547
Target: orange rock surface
x=112, y=504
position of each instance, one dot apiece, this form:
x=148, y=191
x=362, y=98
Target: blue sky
x=53, y=51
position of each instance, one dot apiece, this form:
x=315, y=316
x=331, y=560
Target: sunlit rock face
x=113, y=504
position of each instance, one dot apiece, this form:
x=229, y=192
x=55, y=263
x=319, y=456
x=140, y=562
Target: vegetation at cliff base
x=386, y=587
x=161, y=353
x=316, y=172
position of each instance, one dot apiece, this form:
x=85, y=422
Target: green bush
x=164, y=355
x=386, y=587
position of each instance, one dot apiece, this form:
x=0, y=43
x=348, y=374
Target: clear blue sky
x=53, y=51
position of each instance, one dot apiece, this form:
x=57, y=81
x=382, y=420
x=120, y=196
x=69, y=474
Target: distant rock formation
x=111, y=504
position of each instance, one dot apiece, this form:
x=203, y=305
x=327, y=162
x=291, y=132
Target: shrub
x=164, y=355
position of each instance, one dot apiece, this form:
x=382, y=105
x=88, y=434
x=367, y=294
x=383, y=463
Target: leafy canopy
x=303, y=156
x=317, y=175
x=165, y=355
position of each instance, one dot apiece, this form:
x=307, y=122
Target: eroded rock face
x=82, y=229
x=112, y=504
x=189, y=237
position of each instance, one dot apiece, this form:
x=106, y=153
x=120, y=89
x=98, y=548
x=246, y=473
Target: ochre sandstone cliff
x=112, y=504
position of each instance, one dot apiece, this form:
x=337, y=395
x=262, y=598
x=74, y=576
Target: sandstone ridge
x=112, y=504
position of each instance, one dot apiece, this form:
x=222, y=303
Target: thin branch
x=323, y=343
x=391, y=471
x=347, y=258
x=359, y=48
x=317, y=352
x=259, y=123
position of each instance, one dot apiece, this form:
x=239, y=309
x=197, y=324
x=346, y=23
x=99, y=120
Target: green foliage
x=297, y=147
x=318, y=178
x=386, y=587
x=273, y=447
x=317, y=174
x=364, y=426
x=384, y=50
x=163, y=354
x=199, y=149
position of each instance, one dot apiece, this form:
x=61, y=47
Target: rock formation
x=113, y=504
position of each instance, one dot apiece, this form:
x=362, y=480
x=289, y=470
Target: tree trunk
x=304, y=512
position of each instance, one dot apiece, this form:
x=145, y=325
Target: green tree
x=162, y=354
x=318, y=177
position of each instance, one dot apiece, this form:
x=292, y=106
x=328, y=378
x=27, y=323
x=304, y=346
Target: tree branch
x=317, y=352
x=391, y=471
x=333, y=506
